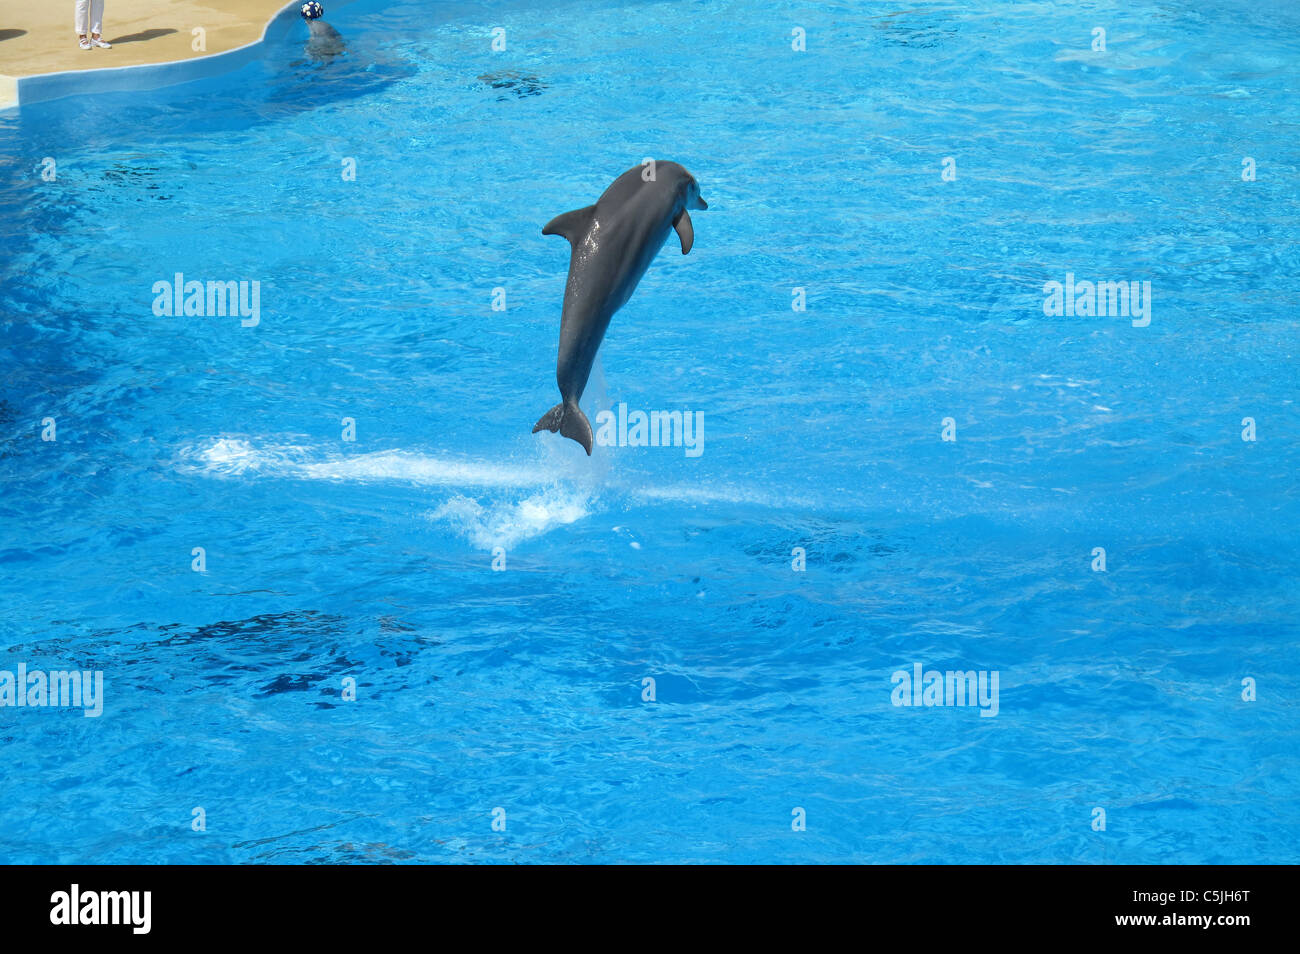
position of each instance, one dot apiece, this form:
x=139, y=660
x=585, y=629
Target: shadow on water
x=511, y=81
x=920, y=30
x=142, y=181
x=324, y=79
x=293, y=651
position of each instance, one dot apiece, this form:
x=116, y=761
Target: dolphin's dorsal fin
x=684, y=230
x=572, y=225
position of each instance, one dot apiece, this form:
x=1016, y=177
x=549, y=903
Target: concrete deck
x=38, y=37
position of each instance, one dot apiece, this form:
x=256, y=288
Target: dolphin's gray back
x=612, y=248
x=320, y=30
x=324, y=40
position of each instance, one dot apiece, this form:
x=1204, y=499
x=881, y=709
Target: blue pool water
x=522, y=689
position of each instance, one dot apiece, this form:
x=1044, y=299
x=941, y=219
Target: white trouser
x=92, y=10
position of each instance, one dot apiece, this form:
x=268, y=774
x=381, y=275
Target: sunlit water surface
x=522, y=690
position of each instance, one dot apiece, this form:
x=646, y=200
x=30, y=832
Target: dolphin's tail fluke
x=569, y=420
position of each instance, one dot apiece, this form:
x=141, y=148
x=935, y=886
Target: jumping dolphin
x=614, y=242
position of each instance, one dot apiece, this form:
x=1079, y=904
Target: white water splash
x=235, y=457
x=507, y=523
x=501, y=503
x=715, y=494
x=494, y=503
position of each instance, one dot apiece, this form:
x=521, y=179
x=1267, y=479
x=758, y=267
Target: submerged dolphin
x=325, y=41
x=614, y=242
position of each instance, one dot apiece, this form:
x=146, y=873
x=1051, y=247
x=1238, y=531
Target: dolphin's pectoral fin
x=684, y=230
x=570, y=422
x=572, y=225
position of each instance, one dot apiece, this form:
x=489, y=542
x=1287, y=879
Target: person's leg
x=83, y=8
x=96, y=24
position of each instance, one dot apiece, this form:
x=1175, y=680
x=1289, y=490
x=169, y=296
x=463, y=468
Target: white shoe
x=83, y=43
x=100, y=42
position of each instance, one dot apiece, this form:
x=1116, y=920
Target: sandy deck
x=39, y=36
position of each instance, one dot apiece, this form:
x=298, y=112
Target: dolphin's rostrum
x=613, y=243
